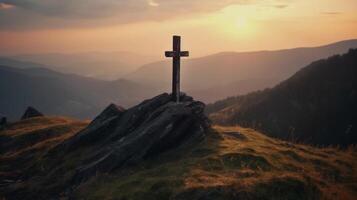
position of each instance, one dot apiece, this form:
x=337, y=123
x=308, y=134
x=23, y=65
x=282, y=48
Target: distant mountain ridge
x=316, y=105
x=226, y=69
x=6, y=61
x=101, y=65
x=208, y=79
x=56, y=93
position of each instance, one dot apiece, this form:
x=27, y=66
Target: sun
x=239, y=27
x=236, y=21
x=241, y=22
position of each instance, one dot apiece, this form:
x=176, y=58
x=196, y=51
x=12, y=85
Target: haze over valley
x=220, y=75
x=82, y=90
x=178, y=99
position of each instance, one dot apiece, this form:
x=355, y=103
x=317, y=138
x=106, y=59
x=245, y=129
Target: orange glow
x=4, y=6
x=257, y=26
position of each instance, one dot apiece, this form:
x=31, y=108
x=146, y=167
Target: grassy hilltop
x=231, y=163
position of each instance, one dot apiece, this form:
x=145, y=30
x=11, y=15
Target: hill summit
x=31, y=112
x=229, y=163
x=115, y=139
x=126, y=137
x=163, y=150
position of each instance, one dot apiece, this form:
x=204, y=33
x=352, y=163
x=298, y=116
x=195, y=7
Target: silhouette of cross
x=176, y=55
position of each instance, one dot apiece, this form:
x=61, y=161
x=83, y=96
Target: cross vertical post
x=176, y=55
x=176, y=69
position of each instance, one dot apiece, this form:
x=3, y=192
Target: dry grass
x=258, y=159
x=235, y=163
x=24, y=127
x=232, y=163
x=27, y=140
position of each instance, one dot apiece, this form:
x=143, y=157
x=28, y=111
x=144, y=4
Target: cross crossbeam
x=176, y=55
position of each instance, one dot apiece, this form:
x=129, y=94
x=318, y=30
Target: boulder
x=111, y=111
x=30, y=113
x=3, y=121
x=126, y=137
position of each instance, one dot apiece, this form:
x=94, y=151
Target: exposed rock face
x=3, y=122
x=125, y=137
x=30, y=113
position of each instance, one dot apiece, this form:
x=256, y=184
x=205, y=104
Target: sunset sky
x=146, y=26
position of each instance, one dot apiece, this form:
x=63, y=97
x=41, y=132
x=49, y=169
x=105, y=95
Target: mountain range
x=214, y=77
x=56, y=93
x=208, y=78
x=100, y=65
x=316, y=105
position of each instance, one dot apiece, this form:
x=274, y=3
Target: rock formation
x=30, y=113
x=3, y=121
x=125, y=137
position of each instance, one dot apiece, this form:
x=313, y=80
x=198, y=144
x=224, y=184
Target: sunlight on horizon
x=263, y=25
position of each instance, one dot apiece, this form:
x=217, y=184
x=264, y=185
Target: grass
x=235, y=163
x=231, y=163
x=39, y=133
x=28, y=140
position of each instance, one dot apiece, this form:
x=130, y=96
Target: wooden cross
x=176, y=55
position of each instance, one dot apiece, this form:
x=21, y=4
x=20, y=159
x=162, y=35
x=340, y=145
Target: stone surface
x=126, y=137
x=3, y=120
x=30, y=113
x=3, y=123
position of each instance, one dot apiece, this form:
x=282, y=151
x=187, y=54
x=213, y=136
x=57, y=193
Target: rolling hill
x=221, y=75
x=56, y=93
x=100, y=65
x=6, y=61
x=231, y=163
x=316, y=105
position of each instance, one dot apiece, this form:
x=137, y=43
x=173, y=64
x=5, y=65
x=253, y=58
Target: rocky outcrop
x=125, y=137
x=3, y=122
x=30, y=113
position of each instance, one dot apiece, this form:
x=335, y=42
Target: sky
x=147, y=26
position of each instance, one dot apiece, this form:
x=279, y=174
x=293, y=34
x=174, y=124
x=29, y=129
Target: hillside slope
x=62, y=94
x=101, y=65
x=222, y=70
x=5, y=61
x=231, y=163
x=316, y=105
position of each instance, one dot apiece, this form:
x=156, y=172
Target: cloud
x=280, y=6
x=153, y=3
x=331, y=13
x=5, y=6
x=37, y=14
